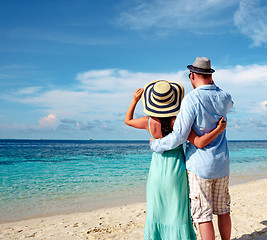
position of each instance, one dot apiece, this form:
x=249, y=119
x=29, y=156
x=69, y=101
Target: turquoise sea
x=47, y=177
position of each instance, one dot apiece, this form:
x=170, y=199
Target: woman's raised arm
x=141, y=123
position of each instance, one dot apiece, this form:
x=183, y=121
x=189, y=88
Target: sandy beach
x=249, y=220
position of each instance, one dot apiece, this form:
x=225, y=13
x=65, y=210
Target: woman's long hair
x=166, y=126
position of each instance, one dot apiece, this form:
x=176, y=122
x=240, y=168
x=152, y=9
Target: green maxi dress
x=167, y=211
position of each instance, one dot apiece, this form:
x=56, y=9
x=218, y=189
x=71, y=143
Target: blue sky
x=68, y=68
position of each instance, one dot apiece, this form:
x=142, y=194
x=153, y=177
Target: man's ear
x=192, y=76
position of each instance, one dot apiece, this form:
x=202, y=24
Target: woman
x=167, y=215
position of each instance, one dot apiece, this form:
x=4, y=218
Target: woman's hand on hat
x=138, y=94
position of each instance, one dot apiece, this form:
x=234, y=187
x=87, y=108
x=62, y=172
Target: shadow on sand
x=257, y=235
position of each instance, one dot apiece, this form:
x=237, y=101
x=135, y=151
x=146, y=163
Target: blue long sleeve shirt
x=201, y=110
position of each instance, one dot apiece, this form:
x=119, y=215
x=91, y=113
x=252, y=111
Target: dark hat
x=201, y=65
x=162, y=98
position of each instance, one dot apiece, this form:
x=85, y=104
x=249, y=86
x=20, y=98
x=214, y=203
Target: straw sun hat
x=162, y=98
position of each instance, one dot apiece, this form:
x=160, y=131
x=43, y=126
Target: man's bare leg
x=207, y=231
x=224, y=224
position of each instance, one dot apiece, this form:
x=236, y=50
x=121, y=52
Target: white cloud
x=176, y=14
x=260, y=109
x=259, y=124
x=263, y=106
x=100, y=98
x=165, y=16
x=251, y=19
x=120, y=81
x=85, y=125
x=28, y=90
x=100, y=94
x=254, y=75
x=48, y=121
x=235, y=124
x=246, y=84
x=68, y=121
x=63, y=102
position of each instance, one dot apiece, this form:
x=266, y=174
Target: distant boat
x=91, y=139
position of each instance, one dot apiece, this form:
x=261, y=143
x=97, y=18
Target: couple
x=201, y=113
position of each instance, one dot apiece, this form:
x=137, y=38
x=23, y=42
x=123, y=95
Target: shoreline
x=127, y=221
x=117, y=201
x=241, y=178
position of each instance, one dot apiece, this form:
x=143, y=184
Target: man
x=208, y=168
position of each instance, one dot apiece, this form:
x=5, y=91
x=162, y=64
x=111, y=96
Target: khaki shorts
x=208, y=196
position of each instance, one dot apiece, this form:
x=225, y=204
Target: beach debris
x=75, y=225
x=32, y=235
